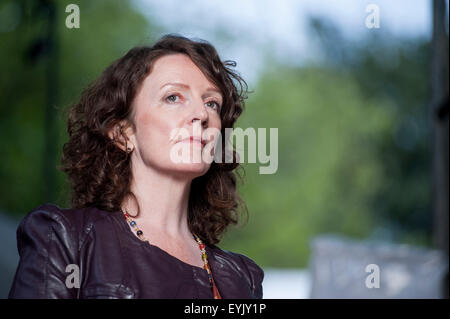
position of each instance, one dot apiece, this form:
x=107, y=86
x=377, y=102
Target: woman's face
x=175, y=101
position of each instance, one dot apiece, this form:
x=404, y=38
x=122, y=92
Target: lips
x=192, y=139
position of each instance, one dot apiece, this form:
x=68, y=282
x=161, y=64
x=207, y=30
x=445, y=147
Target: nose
x=199, y=113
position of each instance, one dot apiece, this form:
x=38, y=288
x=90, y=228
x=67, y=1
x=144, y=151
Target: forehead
x=180, y=68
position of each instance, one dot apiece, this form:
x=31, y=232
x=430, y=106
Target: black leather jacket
x=91, y=253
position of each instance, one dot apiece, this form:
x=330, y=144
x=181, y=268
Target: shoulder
x=49, y=239
x=76, y=216
x=49, y=218
x=242, y=264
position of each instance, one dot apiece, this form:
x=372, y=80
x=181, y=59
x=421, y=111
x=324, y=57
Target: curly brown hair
x=100, y=172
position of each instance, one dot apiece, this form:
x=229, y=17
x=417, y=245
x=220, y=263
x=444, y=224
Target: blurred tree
x=108, y=29
x=354, y=147
x=395, y=69
x=329, y=168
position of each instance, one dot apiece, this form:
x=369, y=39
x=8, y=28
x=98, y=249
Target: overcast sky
x=281, y=23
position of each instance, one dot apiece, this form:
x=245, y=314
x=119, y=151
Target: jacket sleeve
x=256, y=276
x=46, y=246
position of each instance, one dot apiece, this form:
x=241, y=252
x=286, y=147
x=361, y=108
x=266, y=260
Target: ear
x=120, y=134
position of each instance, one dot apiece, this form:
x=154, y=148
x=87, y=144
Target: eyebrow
x=183, y=85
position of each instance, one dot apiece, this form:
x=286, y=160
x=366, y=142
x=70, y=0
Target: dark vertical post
x=51, y=140
x=440, y=118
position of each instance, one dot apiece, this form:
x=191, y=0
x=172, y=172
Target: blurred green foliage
x=108, y=30
x=354, y=154
x=328, y=166
x=354, y=149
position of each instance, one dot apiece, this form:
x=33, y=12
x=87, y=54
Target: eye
x=213, y=104
x=173, y=98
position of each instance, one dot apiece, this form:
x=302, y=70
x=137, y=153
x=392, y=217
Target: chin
x=190, y=163
x=191, y=169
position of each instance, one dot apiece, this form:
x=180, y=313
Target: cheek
x=217, y=124
x=147, y=119
x=215, y=121
x=154, y=132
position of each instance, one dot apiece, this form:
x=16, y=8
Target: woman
x=143, y=224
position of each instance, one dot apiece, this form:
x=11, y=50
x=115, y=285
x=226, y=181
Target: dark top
x=114, y=263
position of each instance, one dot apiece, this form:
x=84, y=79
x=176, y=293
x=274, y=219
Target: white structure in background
x=286, y=283
x=339, y=269
x=9, y=256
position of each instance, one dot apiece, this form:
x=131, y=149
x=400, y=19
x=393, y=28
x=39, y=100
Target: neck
x=163, y=202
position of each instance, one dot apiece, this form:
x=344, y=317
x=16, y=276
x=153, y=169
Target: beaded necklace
x=202, y=247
